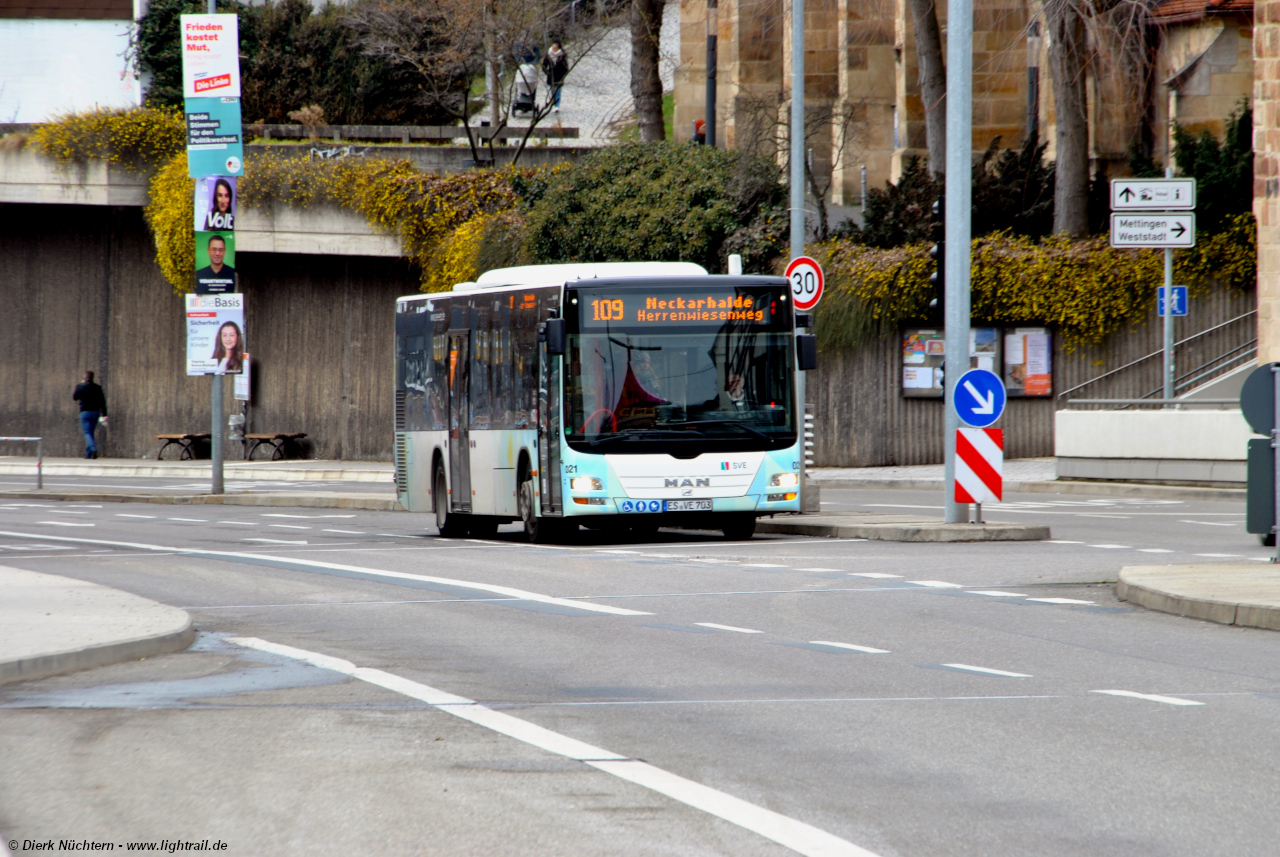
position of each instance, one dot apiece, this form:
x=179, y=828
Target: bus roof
x=547, y=275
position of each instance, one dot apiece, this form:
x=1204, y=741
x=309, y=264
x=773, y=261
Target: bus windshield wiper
x=736, y=423
x=630, y=434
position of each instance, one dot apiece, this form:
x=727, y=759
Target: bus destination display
x=667, y=308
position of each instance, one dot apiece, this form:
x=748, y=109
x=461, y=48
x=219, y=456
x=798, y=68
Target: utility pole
x=713, y=33
x=215, y=404
x=958, y=227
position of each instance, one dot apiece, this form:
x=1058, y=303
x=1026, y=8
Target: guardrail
x=39, y=442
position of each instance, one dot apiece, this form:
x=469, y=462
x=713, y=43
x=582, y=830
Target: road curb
x=924, y=531
x=1172, y=589
x=1110, y=489
x=88, y=657
x=318, y=501
x=237, y=470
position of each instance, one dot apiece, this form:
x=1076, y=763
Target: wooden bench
x=281, y=444
x=185, y=442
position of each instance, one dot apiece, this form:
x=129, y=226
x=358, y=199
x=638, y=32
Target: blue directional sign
x=1179, y=306
x=980, y=398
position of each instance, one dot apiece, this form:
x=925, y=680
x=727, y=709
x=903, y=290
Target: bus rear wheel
x=740, y=528
x=450, y=525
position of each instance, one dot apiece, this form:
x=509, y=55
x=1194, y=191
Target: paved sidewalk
x=280, y=471
x=51, y=624
x=1246, y=594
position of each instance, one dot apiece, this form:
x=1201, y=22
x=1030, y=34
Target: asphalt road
x=906, y=699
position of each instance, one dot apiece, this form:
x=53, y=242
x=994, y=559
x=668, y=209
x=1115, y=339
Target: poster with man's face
x=215, y=263
x=215, y=205
x=215, y=334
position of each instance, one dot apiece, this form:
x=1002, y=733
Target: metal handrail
x=39, y=442
x=1181, y=383
x=1164, y=403
x=1133, y=363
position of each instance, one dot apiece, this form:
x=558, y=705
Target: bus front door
x=549, y=432
x=459, y=423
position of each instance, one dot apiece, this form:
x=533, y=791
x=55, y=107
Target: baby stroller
x=526, y=89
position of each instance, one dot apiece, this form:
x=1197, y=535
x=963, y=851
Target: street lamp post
x=713, y=30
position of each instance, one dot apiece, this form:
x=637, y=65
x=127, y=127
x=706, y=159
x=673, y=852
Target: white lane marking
x=727, y=628
x=123, y=515
x=283, y=515
x=190, y=520
x=374, y=574
x=936, y=584
x=66, y=512
x=1150, y=697
x=345, y=532
x=986, y=670
x=277, y=541
x=289, y=526
x=63, y=524
x=1154, y=550
x=1060, y=600
x=1222, y=555
x=240, y=523
x=762, y=565
x=996, y=593
x=874, y=575
x=788, y=832
x=1111, y=547
x=899, y=506
x=866, y=649
x=1215, y=523
x=1061, y=542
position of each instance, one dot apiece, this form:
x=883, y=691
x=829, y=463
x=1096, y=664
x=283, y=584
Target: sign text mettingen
x=1154, y=229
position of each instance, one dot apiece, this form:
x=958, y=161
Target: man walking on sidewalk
x=93, y=407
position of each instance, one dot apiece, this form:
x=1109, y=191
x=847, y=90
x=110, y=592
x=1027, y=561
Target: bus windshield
x=680, y=370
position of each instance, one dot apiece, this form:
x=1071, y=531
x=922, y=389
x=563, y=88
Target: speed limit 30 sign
x=805, y=276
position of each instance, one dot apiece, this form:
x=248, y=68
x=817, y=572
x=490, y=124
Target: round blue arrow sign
x=979, y=398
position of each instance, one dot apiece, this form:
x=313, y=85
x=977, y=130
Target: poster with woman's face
x=215, y=334
x=215, y=206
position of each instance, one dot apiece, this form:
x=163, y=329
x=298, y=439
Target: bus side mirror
x=806, y=351
x=552, y=332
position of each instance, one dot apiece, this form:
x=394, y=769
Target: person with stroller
x=526, y=83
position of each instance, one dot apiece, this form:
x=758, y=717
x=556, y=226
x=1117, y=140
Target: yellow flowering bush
x=138, y=138
x=1085, y=289
x=169, y=216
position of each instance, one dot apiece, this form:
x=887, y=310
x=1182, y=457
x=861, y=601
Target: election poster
x=215, y=263
x=215, y=204
x=215, y=334
x=215, y=139
x=211, y=95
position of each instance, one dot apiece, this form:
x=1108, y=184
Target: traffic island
x=51, y=625
x=899, y=528
x=1246, y=594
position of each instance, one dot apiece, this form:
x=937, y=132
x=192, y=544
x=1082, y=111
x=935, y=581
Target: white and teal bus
x=622, y=395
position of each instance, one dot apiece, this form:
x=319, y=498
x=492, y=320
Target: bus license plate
x=687, y=506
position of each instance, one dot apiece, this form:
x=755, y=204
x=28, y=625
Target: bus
x=622, y=396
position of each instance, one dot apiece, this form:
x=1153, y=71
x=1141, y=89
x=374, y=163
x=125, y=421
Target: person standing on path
x=93, y=408
x=556, y=66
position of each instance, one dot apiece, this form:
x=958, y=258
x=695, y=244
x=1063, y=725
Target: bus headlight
x=784, y=480
x=586, y=483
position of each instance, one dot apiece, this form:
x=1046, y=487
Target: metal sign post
x=797, y=190
x=959, y=191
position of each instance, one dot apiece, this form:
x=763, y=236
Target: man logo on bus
x=686, y=483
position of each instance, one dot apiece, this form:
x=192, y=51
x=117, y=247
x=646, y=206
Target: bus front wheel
x=451, y=526
x=538, y=530
x=740, y=528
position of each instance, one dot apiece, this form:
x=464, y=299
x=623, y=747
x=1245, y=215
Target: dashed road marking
x=985, y=670
x=1111, y=547
x=1222, y=555
x=124, y=515
x=277, y=541
x=63, y=524
x=190, y=520
x=763, y=565
x=1154, y=550
x=1150, y=697
x=995, y=593
x=936, y=584
x=289, y=526
x=345, y=532
x=1059, y=601
x=727, y=628
x=866, y=649
x=1061, y=542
